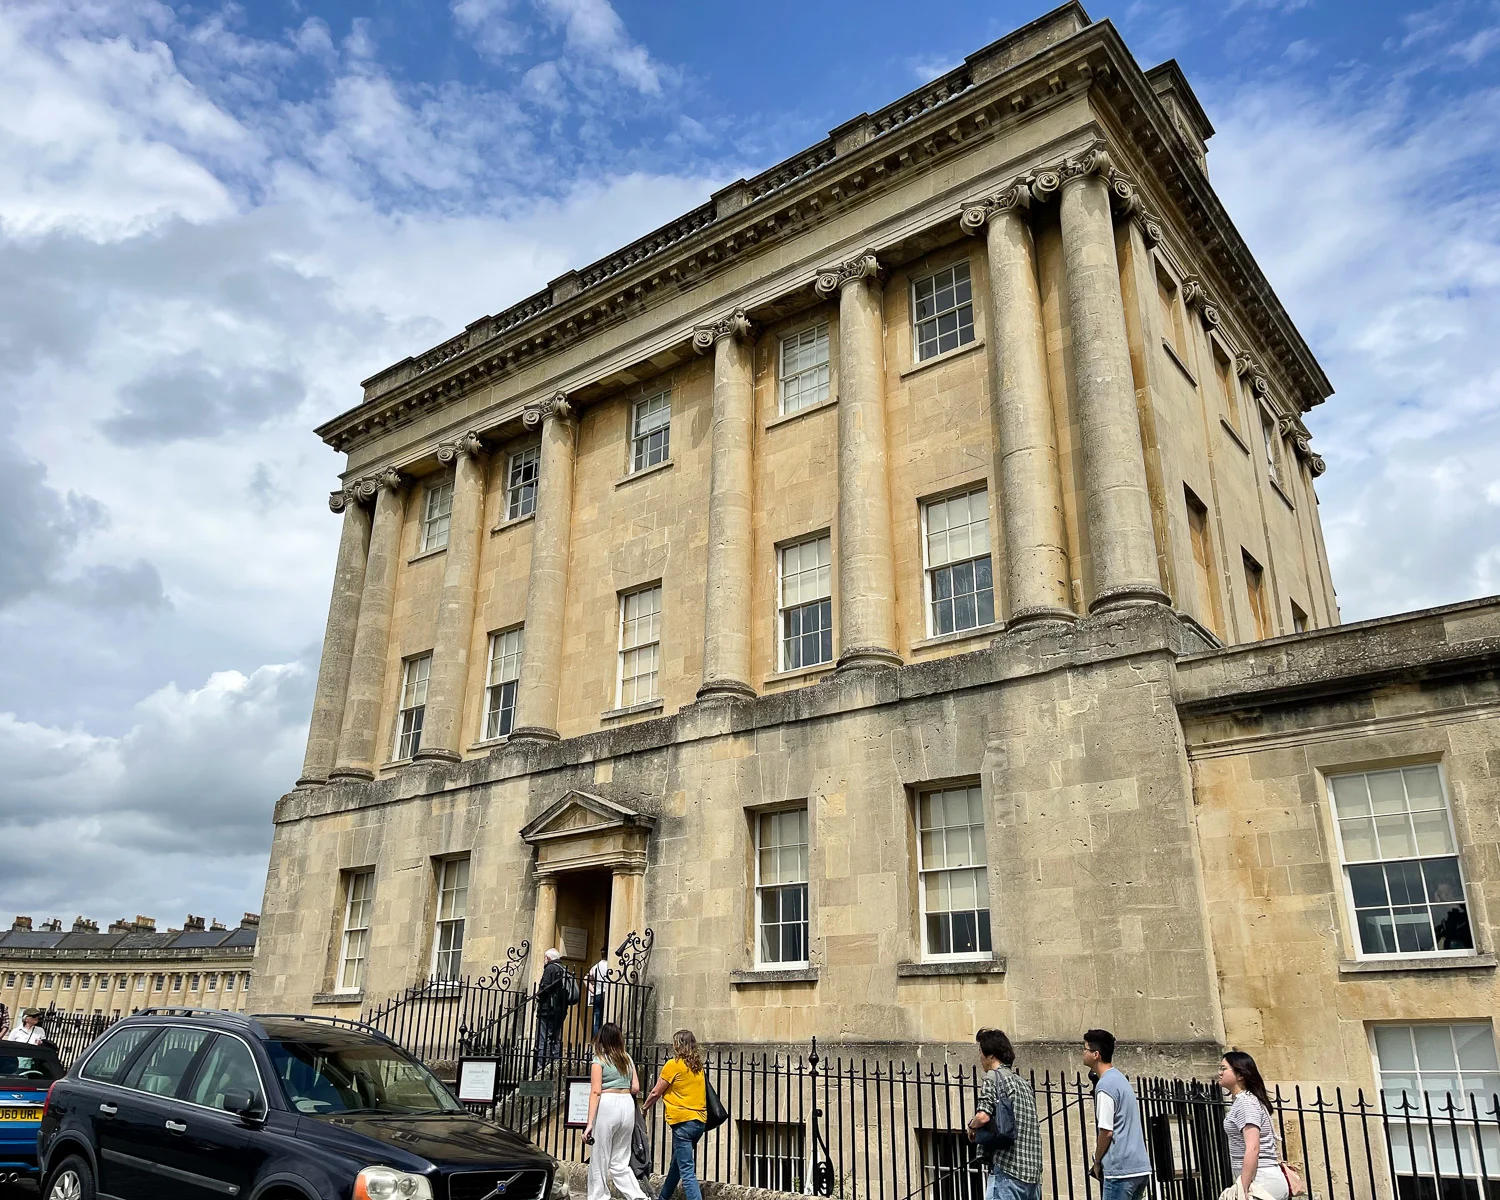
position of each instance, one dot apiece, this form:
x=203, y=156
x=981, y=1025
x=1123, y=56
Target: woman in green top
x=612, y=1085
x=681, y=1089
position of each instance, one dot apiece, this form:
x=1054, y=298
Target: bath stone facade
x=814, y=582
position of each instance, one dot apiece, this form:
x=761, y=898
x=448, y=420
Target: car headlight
x=387, y=1183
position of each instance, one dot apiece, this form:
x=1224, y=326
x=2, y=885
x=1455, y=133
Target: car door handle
x=176, y=1126
x=109, y=1110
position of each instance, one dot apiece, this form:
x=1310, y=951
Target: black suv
x=176, y=1103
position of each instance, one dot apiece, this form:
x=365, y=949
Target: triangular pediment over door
x=581, y=831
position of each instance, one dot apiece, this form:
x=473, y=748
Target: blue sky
x=216, y=219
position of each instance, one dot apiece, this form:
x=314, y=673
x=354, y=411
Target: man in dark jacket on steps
x=551, y=1009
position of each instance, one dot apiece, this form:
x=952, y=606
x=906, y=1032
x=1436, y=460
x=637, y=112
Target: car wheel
x=71, y=1179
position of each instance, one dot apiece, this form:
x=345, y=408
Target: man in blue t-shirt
x=1121, y=1163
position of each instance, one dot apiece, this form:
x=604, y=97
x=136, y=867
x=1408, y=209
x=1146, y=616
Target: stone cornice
x=994, y=90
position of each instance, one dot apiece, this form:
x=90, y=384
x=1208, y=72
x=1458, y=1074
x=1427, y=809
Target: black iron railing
x=867, y=1130
x=73, y=1033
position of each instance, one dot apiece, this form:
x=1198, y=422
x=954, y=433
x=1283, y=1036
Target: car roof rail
x=168, y=1011
x=340, y=1022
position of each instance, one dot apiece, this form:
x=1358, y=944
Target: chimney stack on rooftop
x=22, y=923
x=192, y=924
x=52, y=926
x=217, y=926
x=250, y=921
x=84, y=925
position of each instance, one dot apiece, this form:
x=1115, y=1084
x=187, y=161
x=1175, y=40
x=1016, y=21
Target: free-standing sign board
x=476, y=1080
x=578, y=1101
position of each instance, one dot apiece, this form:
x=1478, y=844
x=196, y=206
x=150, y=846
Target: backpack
x=1000, y=1133
x=570, y=988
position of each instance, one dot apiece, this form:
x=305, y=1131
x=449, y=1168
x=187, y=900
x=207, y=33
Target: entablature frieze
x=977, y=102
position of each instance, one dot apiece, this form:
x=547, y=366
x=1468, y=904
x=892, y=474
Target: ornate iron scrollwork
x=633, y=954
x=501, y=976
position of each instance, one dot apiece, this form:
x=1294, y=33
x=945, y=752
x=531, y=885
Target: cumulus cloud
x=190, y=398
x=595, y=32
x=134, y=818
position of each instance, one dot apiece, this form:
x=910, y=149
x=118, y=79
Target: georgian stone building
x=130, y=965
x=898, y=583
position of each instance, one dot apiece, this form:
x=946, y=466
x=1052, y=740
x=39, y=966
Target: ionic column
x=338, y=634
x=866, y=573
x=356, y=756
x=1122, y=545
x=627, y=904
x=726, y=612
x=547, y=586
x=442, y=724
x=543, y=924
x=1026, y=466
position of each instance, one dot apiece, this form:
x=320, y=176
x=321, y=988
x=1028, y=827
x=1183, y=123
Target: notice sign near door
x=476, y=1080
x=578, y=1101
x=575, y=942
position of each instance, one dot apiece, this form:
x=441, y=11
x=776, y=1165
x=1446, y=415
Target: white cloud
x=1369, y=214
x=595, y=32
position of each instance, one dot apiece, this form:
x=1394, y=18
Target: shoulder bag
x=716, y=1113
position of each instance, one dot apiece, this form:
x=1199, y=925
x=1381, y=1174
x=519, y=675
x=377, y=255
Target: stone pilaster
x=356, y=754
x=338, y=634
x=543, y=924
x=727, y=616
x=1026, y=461
x=1122, y=545
x=547, y=586
x=627, y=904
x=866, y=572
x=442, y=732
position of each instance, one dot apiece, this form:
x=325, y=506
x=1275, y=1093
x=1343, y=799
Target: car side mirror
x=243, y=1104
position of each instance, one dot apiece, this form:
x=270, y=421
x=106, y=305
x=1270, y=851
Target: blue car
x=26, y=1072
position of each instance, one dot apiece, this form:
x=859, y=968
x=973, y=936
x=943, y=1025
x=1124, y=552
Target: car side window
x=228, y=1067
x=118, y=1049
x=161, y=1069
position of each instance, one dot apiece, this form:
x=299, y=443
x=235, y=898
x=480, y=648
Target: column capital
x=863, y=266
x=735, y=325
x=1015, y=197
x=466, y=445
x=1094, y=160
x=1195, y=295
x=555, y=406
x=389, y=480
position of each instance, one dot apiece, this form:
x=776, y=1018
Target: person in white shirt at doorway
x=598, y=978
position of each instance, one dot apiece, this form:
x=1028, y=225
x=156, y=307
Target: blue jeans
x=685, y=1137
x=1126, y=1189
x=1007, y=1187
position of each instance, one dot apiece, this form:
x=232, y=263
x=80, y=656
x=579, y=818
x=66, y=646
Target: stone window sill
x=801, y=672
x=1281, y=491
x=512, y=523
x=945, y=356
x=1418, y=962
x=1234, y=435
x=962, y=966
x=395, y=765
x=664, y=465
x=324, y=998
x=771, y=977
x=631, y=710
x=962, y=635
x=426, y=554
x=787, y=418
x=490, y=743
x=1177, y=359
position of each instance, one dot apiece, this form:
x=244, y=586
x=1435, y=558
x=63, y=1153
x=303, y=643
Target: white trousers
x=614, y=1126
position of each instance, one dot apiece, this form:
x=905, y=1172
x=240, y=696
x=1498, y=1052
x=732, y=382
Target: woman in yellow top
x=681, y=1091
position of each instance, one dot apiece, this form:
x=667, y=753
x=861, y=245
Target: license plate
x=9, y=1113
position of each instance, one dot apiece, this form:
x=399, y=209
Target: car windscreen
x=18, y=1067
x=345, y=1077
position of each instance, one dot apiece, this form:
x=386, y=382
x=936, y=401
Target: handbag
x=715, y=1112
